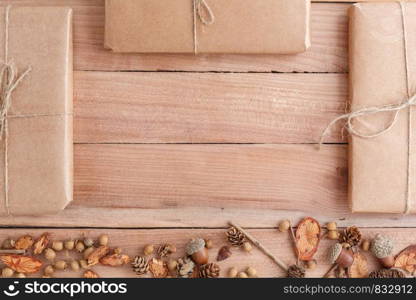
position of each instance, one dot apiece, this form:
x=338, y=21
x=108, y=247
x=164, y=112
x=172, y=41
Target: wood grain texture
x=328, y=53
x=206, y=108
x=133, y=241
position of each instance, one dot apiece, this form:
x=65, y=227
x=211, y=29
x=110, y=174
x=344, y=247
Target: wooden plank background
x=165, y=143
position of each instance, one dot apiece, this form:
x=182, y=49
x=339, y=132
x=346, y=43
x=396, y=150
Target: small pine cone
x=387, y=273
x=165, y=250
x=295, y=271
x=351, y=236
x=210, y=270
x=236, y=237
x=185, y=267
x=140, y=265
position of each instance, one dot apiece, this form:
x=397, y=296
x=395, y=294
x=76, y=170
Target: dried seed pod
x=232, y=272
x=148, y=250
x=24, y=242
x=103, y=240
x=196, y=249
x=224, y=253
x=49, y=270
x=21, y=263
x=295, y=271
x=57, y=246
x=236, y=237
x=406, y=260
x=382, y=248
x=341, y=256
x=60, y=265
x=140, y=265
x=49, y=254
x=40, y=244
x=308, y=234
x=185, y=268
x=209, y=244
x=69, y=245
x=75, y=266
x=90, y=274
x=158, y=268
x=166, y=250
x=115, y=260
x=88, y=242
x=251, y=272
x=387, y=273
x=79, y=246
x=7, y=272
x=284, y=225
x=97, y=254
x=8, y=244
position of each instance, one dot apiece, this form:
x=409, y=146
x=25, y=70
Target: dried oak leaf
x=90, y=274
x=359, y=268
x=158, y=268
x=115, y=260
x=24, y=242
x=308, y=234
x=406, y=260
x=40, y=244
x=97, y=254
x=22, y=264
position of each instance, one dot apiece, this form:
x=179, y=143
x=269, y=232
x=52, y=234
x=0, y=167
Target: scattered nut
x=148, y=250
x=331, y=226
x=8, y=244
x=242, y=275
x=50, y=254
x=49, y=270
x=58, y=246
x=79, y=246
x=251, y=272
x=284, y=226
x=69, y=245
x=365, y=245
x=103, y=240
x=209, y=244
x=88, y=252
x=172, y=265
x=61, y=265
x=247, y=247
x=20, y=275
x=7, y=273
x=88, y=242
x=75, y=266
x=83, y=264
x=333, y=234
x=232, y=272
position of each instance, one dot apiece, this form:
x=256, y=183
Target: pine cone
x=140, y=265
x=210, y=270
x=387, y=273
x=166, y=250
x=236, y=237
x=185, y=267
x=295, y=271
x=351, y=236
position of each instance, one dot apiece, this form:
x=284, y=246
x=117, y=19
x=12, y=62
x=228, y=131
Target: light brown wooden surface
x=165, y=142
x=133, y=241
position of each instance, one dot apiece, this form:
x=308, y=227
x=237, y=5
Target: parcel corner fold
x=36, y=152
x=238, y=27
x=382, y=170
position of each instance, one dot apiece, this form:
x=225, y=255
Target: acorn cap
x=194, y=246
x=382, y=246
x=334, y=252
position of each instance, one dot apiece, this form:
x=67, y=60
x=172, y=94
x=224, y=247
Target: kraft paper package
x=207, y=26
x=36, y=143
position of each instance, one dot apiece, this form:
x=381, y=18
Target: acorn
x=196, y=249
x=341, y=256
x=382, y=248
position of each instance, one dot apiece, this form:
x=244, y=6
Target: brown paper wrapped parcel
x=382, y=151
x=36, y=145
x=207, y=26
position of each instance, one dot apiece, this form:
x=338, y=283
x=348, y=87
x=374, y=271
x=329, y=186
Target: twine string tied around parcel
x=391, y=108
x=204, y=13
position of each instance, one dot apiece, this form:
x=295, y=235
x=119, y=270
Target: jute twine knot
x=204, y=13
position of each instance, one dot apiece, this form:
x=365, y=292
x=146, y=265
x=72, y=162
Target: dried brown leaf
x=24, y=242
x=90, y=274
x=22, y=264
x=115, y=260
x=97, y=254
x=40, y=244
x=158, y=268
x=359, y=268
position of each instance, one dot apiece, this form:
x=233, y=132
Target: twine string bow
x=204, y=13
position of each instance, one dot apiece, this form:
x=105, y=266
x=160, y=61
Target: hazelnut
x=148, y=250
x=79, y=246
x=58, y=246
x=69, y=245
x=311, y=264
x=103, y=240
x=242, y=275
x=333, y=235
x=232, y=272
x=88, y=242
x=196, y=249
x=209, y=244
x=61, y=265
x=7, y=273
x=50, y=254
x=284, y=225
x=20, y=275
x=365, y=245
x=331, y=226
x=172, y=265
x=49, y=270
x=251, y=272
x=75, y=266
x=247, y=247
x=83, y=264
x=88, y=252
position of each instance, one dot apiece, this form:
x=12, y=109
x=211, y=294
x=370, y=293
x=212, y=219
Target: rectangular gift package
x=383, y=75
x=36, y=147
x=207, y=26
